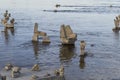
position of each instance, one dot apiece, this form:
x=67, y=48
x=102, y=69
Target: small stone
x=56, y=72
x=36, y=67
x=61, y=71
x=8, y=67
x=34, y=77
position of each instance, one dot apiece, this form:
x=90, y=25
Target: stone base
x=116, y=29
x=46, y=39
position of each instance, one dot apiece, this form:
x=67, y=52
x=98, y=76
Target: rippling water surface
x=92, y=21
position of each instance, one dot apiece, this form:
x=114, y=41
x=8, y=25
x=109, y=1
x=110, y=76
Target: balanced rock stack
x=5, y=20
x=15, y=72
x=117, y=24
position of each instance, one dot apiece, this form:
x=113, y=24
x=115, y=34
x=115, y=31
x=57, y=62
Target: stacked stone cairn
x=5, y=20
x=66, y=35
x=117, y=24
x=40, y=33
x=15, y=72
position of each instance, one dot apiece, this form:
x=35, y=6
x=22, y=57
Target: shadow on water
x=82, y=62
x=116, y=34
x=7, y=33
x=67, y=52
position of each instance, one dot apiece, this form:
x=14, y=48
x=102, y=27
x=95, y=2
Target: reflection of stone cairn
x=117, y=24
x=60, y=72
x=15, y=72
x=36, y=67
x=2, y=77
x=82, y=62
x=8, y=66
x=66, y=35
x=40, y=33
x=82, y=48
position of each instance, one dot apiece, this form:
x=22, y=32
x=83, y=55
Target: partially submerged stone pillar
x=117, y=24
x=40, y=33
x=82, y=48
x=66, y=35
x=35, y=36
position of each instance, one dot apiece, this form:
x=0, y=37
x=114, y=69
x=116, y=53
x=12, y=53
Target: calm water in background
x=92, y=22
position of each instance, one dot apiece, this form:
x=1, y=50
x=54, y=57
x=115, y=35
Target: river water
x=92, y=20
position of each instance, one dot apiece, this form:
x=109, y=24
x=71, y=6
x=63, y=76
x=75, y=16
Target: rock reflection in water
x=117, y=35
x=82, y=62
x=37, y=46
x=67, y=52
x=7, y=34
